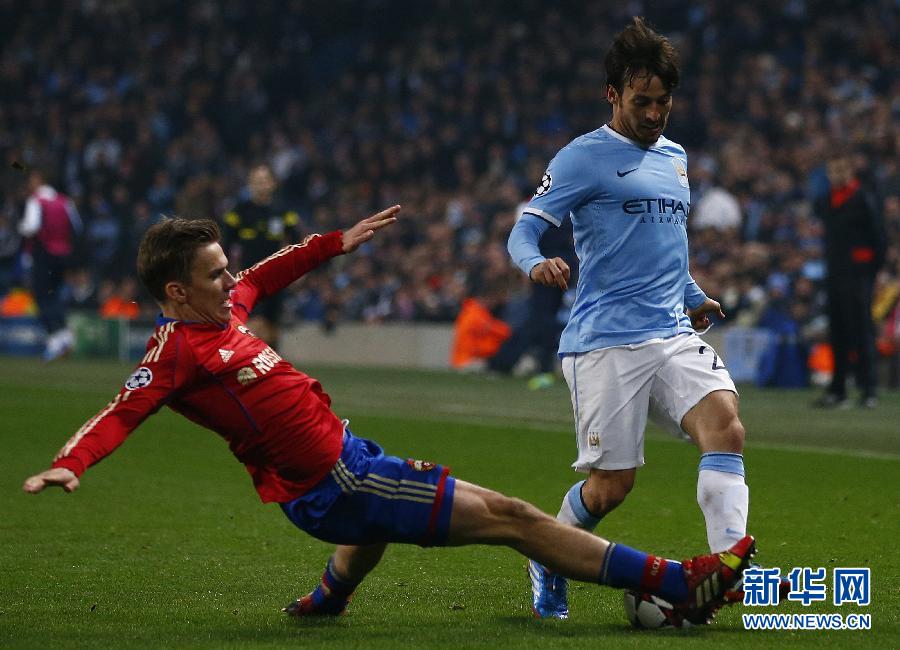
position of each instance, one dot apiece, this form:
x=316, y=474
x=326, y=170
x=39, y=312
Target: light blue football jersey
x=629, y=206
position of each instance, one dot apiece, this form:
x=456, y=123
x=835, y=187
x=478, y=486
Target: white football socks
x=573, y=511
x=721, y=492
x=724, y=498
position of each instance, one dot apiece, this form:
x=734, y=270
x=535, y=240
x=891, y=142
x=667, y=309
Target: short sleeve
x=566, y=185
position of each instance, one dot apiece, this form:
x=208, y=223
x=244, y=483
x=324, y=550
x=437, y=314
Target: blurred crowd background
x=453, y=109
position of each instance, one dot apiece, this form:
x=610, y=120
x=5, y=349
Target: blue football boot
x=549, y=592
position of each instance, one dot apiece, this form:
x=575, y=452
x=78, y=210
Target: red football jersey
x=277, y=420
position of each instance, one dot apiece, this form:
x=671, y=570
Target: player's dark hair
x=638, y=51
x=167, y=251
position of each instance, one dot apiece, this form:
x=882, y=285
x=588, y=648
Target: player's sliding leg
x=584, y=505
x=343, y=573
x=370, y=496
x=549, y=591
x=480, y=516
x=697, y=586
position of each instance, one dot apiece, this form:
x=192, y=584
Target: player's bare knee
x=737, y=433
x=717, y=428
x=512, y=509
x=731, y=436
x=513, y=516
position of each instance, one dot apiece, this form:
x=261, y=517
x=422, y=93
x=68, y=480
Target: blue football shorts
x=371, y=498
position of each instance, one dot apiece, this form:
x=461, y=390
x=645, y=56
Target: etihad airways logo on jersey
x=658, y=210
x=656, y=206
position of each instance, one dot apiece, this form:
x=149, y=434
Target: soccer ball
x=649, y=612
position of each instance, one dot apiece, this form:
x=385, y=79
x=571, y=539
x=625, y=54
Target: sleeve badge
x=545, y=185
x=139, y=378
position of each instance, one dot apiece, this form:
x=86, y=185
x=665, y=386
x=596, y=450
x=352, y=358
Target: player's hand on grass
x=551, y=273
x=700, y=316
x=362, y=232
x=65, y=478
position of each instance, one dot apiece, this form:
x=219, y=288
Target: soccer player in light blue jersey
x=630, y=348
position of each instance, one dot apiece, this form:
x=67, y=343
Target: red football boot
x=736, y=595
x=317, y=603
x=711, y=577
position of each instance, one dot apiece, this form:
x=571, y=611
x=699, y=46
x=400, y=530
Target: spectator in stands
x=80, y=290
x=477, y=333
x=446, y=114
x=717, y=208
x=50, y=225
x=119, y=300
x=9, y=252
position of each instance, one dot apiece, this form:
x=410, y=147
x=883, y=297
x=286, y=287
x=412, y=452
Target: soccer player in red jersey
x=204, y=363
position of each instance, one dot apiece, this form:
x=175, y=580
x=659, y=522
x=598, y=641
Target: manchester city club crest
x=680, y=171
x=139, y=378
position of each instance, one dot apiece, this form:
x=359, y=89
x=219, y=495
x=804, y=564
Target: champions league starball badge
x=546, y=184
x=139, y=378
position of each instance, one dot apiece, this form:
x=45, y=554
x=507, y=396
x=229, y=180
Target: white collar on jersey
x=619, y=136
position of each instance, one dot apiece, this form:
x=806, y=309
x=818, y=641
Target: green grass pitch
x=166, y=543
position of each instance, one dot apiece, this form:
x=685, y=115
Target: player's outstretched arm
x=700, y=316
x=65, y=478
x=363, y=231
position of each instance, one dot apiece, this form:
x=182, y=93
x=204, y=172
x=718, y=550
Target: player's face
x=209, y=293
x=641, y=110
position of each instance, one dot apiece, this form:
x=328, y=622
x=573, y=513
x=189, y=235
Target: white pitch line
x=510, y=419
x=827, y=451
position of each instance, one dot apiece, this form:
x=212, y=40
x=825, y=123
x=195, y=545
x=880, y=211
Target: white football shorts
x=615, y=389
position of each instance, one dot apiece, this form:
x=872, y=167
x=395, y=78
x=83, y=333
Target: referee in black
x=254, y=229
